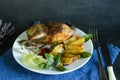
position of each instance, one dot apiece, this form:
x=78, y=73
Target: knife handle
x=111, y=73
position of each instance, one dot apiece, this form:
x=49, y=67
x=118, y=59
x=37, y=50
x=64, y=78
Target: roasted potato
x=74, y=51
x=76, y=57
x=67, y=61
x=69, y=55
x=72, y=39
x=78, y=41
x=71, y=46
x=58, y=49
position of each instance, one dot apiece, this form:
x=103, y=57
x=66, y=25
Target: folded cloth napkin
x=11, y=70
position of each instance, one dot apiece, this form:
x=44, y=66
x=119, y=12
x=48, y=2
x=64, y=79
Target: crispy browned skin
x=37, y=31
x=53, y=31
x=58, y=32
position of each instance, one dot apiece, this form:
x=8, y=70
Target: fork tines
x=6, y=30
x=95, y=32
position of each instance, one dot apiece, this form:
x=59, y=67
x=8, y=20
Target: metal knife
x=106, y=56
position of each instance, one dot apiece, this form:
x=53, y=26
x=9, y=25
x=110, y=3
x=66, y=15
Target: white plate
x=18, y=54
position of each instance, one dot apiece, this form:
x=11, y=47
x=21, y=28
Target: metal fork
x=95, y=39
x=6, y=31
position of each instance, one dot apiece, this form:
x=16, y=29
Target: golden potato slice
x=76, y=57
x=72, y=46
x=74, y=51
x=72, y=39
x=68, y=55
x=58, y=49
x=78, y=41
x=66, y=61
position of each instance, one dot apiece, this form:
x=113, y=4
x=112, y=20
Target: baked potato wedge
x=71, y=46
x=69, y=55
x=74, y=51
x=72, y=39
x=79, y=41
x=58, y=49
x=67, y=61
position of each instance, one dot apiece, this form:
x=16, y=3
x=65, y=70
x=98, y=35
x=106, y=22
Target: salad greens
x=87, y=37
x=52, y=62
x=33, y=60
x=61, y=68
x=54, y=44
x=85, y=54
x=42, y=65
x=57, y=60
x=49, y=61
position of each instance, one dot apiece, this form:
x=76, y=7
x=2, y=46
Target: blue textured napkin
x=11, y=70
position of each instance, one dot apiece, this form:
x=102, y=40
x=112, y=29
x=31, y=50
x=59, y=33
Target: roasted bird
x=51, y=32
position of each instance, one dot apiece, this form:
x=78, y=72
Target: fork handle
x=102, y=74
x=111, y=73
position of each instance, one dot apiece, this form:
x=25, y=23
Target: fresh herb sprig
x=87, y=37
x=52, y=62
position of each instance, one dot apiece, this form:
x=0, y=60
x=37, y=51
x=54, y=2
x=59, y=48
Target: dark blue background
x=84, y=14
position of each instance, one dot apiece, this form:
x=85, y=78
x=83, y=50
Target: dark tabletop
x=84, y=14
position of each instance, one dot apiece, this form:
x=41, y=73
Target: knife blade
x=106, y=56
